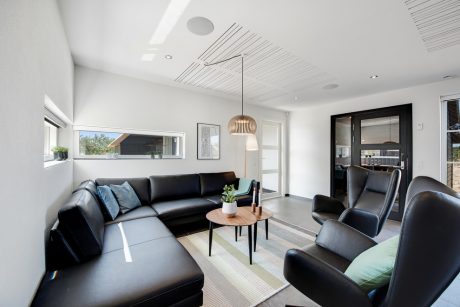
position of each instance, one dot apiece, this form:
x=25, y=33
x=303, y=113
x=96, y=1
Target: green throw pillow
x=372, y=269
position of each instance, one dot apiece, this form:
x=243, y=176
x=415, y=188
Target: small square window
x=50, y=139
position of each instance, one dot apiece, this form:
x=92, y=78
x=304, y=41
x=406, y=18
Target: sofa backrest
x=82, y=224
x=59, y=253
x=213, y=183
x=174, y=187
x=90, y=186
x=140, y=185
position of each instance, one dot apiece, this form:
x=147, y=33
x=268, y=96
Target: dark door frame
x=406, y=111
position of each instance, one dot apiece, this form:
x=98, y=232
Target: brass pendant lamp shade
x=239, y=124
x=242, y=125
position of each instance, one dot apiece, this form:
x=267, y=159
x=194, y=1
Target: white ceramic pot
x=229, y=209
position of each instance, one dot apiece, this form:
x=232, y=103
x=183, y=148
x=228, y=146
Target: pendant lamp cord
x=242, y=78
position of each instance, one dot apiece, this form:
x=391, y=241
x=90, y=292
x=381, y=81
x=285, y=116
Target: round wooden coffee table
x=243, y=218
x=266, y=214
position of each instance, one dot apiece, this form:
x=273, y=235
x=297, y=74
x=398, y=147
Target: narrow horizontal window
x=120, y=144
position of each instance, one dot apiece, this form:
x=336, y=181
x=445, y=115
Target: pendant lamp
x=242, y=124
x=239, y=124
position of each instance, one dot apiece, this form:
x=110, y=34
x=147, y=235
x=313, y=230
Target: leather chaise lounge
x=134, y=260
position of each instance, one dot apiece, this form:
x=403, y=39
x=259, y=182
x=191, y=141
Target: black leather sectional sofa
x=134, y=260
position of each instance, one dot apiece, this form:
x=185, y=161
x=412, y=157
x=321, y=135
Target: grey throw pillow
x=126, y=197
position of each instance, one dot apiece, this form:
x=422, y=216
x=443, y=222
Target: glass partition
x=342, y=156
x=381, y=130
x=386, y=159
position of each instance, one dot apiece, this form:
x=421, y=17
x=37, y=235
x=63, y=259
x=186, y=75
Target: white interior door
x=271, y=159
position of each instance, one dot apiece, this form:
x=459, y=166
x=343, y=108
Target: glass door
x=379, y=140
x=271, y=159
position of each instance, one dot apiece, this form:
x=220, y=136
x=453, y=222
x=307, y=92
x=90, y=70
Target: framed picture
x=208, y=142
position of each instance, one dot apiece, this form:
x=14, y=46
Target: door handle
x=403, y=162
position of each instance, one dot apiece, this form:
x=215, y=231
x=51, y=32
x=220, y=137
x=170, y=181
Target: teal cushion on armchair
x=372, y=268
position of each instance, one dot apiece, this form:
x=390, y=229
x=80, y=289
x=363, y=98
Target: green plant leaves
x=228, y=196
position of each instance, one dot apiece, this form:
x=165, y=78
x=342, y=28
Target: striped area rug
x=229, y=278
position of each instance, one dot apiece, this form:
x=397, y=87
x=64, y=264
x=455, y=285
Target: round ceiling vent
x=200, y=25
x=330, y=86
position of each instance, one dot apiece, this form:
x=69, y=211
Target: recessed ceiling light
x=148, y=57
x=330, y=86
x=374, y=76
x=168, y=57
x=200, y=25
x=169, y=20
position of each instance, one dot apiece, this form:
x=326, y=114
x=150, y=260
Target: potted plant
x=157, y=155
x=60, y=153
x=229, y=201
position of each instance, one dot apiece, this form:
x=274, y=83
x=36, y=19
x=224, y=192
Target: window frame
x=444, y=134
x=50, y=156
x=77, y=155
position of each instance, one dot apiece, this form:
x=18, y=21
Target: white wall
x=309, y=134
x=34, y=61
x=109, y=100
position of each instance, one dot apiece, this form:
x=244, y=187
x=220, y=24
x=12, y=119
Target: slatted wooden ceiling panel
x=269, y=70
x=437, y=21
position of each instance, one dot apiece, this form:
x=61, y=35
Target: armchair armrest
x=322, y=282
x=323, y=203
x=343, y=240
x=364, y=221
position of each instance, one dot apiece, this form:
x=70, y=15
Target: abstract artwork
x=208, y=142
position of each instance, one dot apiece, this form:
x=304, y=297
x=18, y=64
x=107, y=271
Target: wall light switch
x=419, y=126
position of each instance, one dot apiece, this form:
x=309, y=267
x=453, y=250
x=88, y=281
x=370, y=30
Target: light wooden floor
x=298, y=212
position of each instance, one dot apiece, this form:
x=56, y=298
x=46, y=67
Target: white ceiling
x=344, y=41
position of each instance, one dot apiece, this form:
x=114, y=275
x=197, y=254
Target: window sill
x=121, y=159
x=52, y=163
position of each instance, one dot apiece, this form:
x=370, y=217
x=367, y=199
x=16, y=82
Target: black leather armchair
x=371, y=194
x=428, y=256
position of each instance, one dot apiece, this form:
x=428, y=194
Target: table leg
x=266, y=229
x=255, y=236
x=236, y=233
x=241, y=227
x=210, y=237
x=250, y=243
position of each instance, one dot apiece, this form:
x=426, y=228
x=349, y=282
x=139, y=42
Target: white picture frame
x=208, y=141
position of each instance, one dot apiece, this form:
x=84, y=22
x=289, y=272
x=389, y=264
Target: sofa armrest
x=322, y=282
x=323, y=203
x=343, y=240
x=364, y=221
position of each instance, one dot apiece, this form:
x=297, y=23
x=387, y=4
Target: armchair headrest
x=360, y=179
x=423, y=183
x=378, y=181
